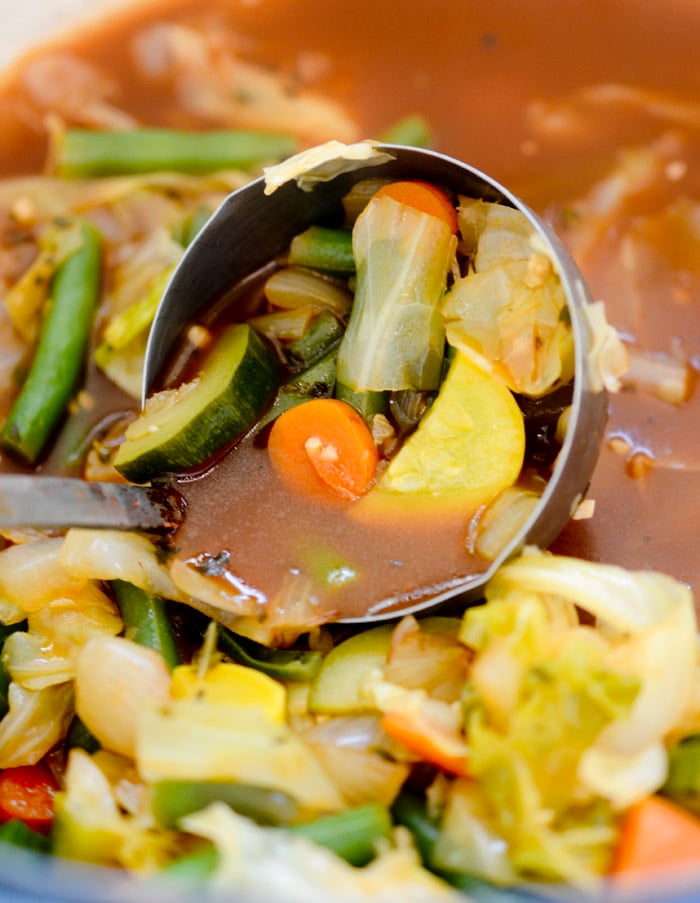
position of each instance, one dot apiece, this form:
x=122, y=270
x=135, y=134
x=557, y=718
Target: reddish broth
x=502, y=84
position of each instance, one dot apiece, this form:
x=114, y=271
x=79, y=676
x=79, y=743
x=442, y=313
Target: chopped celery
x=395, y=338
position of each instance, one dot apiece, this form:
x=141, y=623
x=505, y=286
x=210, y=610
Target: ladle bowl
x=252, y=227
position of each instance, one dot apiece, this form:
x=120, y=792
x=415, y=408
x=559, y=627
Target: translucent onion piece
x=361, y=776
x=501, y=521
x=116, y=681
x=294, y=287
x=32, y=574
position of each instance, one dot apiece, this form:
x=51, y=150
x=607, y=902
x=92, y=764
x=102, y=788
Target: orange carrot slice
x=432, y=743
x=657, y=836
x=323, y=444
x=424, y=197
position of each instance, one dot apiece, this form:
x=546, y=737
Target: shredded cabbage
x=566, y=723
x=510, y=309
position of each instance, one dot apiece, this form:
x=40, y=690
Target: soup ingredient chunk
x=58, y=360
x=424, y=197
x=181, y=428
x=27, y=793
x=396, y=336
x=324, y=444
x=468, y=447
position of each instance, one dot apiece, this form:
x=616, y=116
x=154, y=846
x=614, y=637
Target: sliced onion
x=116, y=681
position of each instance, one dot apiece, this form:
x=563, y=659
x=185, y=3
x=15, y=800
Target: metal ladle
x=249, y=230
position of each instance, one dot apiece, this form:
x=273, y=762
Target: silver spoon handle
x=59, y=502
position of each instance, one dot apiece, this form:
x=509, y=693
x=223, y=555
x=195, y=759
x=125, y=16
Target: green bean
x=79, y=737
x=316, y=382
x=352, y=834
x=321, y=248
x=83, y=152
x=172, y=800
x=411, y=811
x=324, y=334
x=196, y=866
x=60, y=353
x=146, y=620
x=412, y=130
x=367, y=404
x=18, y=834
x=283, y=664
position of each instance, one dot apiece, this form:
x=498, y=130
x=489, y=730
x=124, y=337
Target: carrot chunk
x=657, y=836
x=424, y=197
x=324, y=445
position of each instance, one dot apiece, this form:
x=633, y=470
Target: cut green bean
x=60, y=353
x=172, y=800
x=79, y=737
x=367, y=404
x=316, y=382
x=18, y=834
x=85, y=153
x=193, y=867
x=353, y=834
x=321, y=248
x=411, y=811
x=283, y=664
x=324, y=334
x=146, y=620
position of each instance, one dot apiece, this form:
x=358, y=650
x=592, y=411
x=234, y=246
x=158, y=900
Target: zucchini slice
x=181, y=428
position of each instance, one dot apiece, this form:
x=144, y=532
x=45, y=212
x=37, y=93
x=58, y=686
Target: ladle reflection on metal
x=251, y=228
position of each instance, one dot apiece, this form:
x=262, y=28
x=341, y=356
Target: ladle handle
x=58, y=502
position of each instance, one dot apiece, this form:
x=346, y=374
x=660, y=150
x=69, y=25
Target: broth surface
x=521, y=91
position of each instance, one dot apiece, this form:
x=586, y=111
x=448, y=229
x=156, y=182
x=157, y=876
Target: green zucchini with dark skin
x=181, y=428
x=60, y=353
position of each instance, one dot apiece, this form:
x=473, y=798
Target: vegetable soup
x=149, y=724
